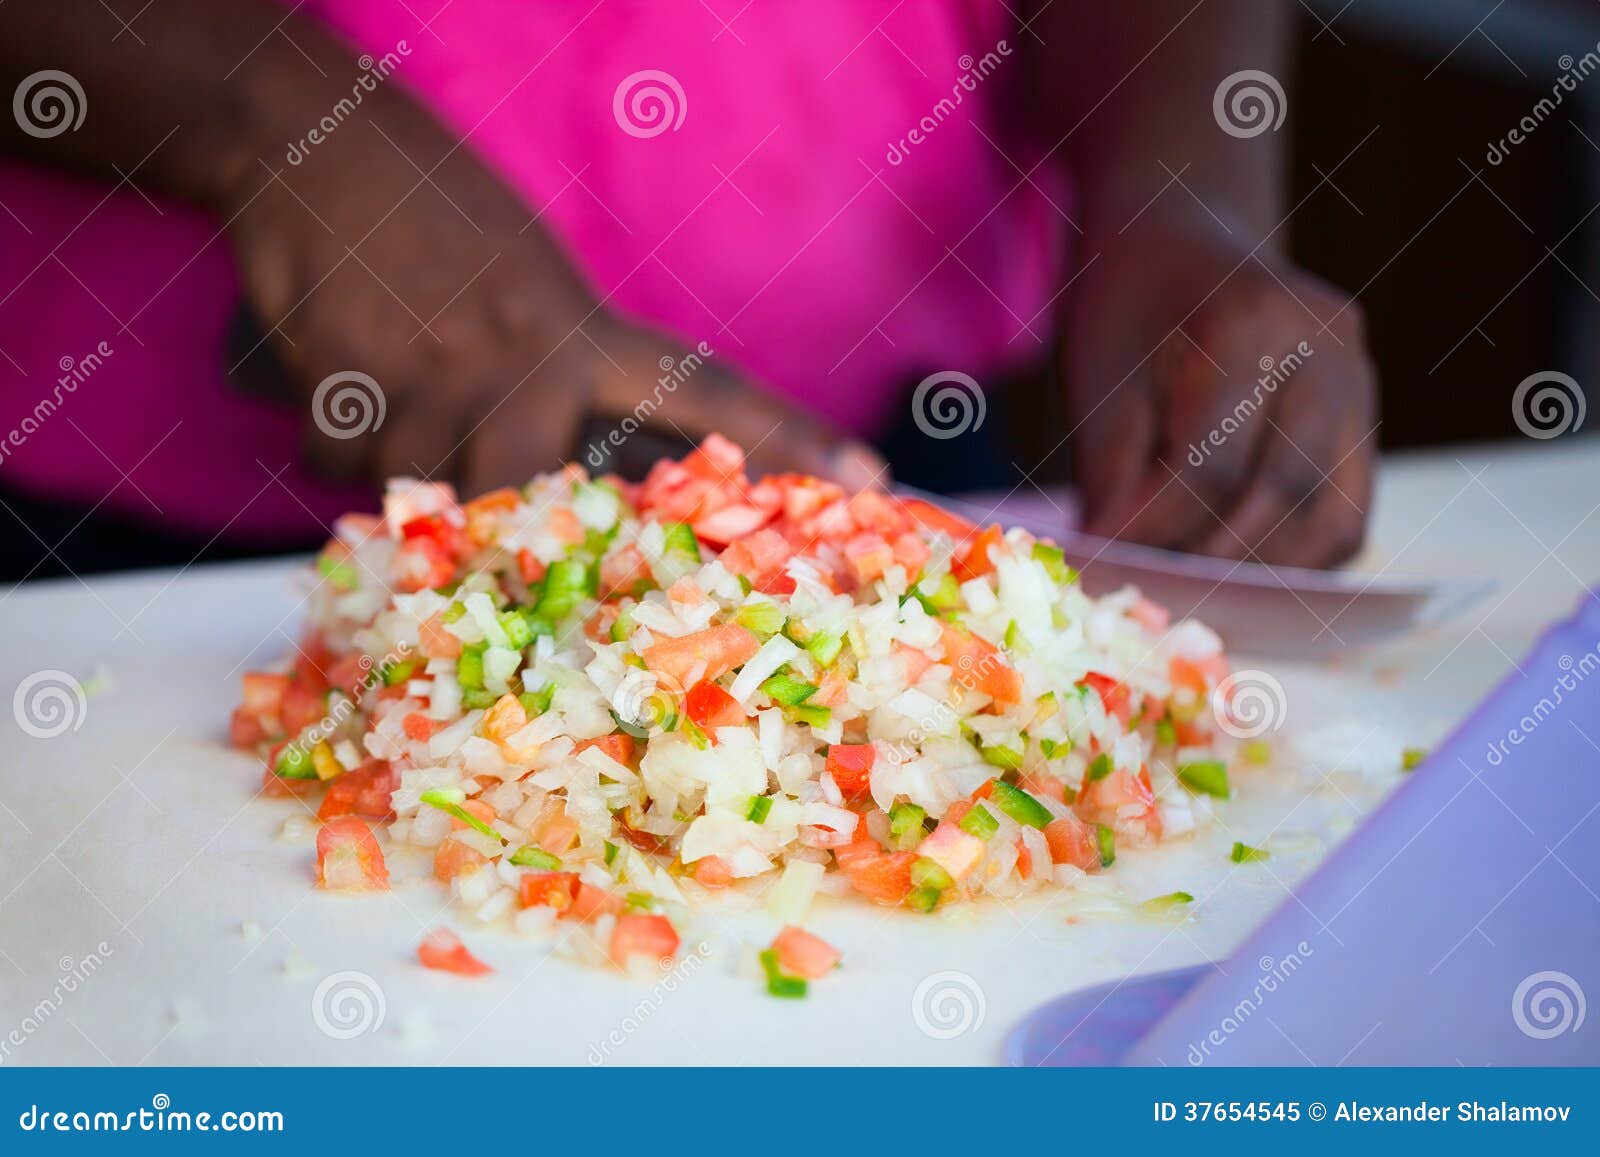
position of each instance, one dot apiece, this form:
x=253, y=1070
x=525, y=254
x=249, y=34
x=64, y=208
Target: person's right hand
x=392, y=251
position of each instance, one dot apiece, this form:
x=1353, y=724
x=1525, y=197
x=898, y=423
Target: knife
x=1271, y=611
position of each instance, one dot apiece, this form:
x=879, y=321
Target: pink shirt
x=828, y=158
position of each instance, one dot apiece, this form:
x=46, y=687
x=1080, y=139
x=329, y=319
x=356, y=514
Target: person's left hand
x=1217, y=402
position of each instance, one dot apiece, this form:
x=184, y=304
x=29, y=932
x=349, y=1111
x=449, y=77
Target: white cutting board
x=150, y=913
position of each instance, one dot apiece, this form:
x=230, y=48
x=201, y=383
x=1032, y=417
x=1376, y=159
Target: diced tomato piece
x=549, y=890
x=718, y=649
x=262, y=693
x=1024, y=859
x=1047, y=786
x=643, y=934
x=275, y=786
x=869, y=556
x=302, y=706
x=245, y=730
x=937, y=519
x=710, y=707
x=976, y=561
x=760, y=557
x=1072, y=841
x=554, y=830
x=978, y=664
x=1198, y=676
x=619, y=746
x=349, y=858
x=565, y=526
x=484, y=512
x=1123, y=800
x=478, y=809
x=443, y=951
x=436, y=642
x=911, y=553
x=1116, y=696
x=712, y=872
x=731, y=523
x=832, y=690
x=622, y=570
x=450, y=539
x=1150, y=615
x=529, y=566
x=362, y=791
x=915, y=661
x=984, y=790
x=453, y=858
x=420, y=728
x=802, y=954
x=311, y=662
x=590, y=902
x=954, y=850
x=850, y=765
x=422, y=563
x=716, y=459
x=883, y=876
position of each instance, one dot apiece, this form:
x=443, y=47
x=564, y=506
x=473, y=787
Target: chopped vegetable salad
x=599, y=701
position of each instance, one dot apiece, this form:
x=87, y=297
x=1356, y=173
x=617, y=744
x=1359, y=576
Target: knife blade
x=1271, y=611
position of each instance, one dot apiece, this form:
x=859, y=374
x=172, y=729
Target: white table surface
x=150, y=913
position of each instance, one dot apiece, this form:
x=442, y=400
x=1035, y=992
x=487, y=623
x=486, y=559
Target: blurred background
x=1474, y=274
x=1445, y=161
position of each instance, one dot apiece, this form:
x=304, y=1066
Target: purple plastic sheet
x=1459, y=925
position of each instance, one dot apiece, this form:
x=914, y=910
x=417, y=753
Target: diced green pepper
x=639, y=901
x=1166, y=734
x=978, y=822
x=789, y=691
x=395, y=674
x=1207, y=776
x=1100, y=767
x=1020, y=806
x=761, y=619
x=1050, y=748
x=1257, y=751
x=811, y=716
x=469, y=667
x=338, y=572
x=477, y=699
x=518, y=633
x=1163, y=904
x=926, y=873
x=295, y=762
x=1412, y=757
x=1245, y=854
x=825, y=647
x=449, y=801
x=530, y=856
x=536, y=703
x=906, y=825
x=1054, y=562
x=566, y=584
x=1106, y=839
x=1006, y=758
x=923, y=899
x=778, y=984
x=611, y=853
x=679, y=537
x=760, y=807
x=454, y=613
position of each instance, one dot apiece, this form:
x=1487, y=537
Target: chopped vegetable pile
x=595, y=701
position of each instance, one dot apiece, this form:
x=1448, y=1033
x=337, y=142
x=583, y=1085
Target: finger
x=1113, y=450
x=698, y=397
x=530, y=427
x=1330, y=528
x=1206, y=448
